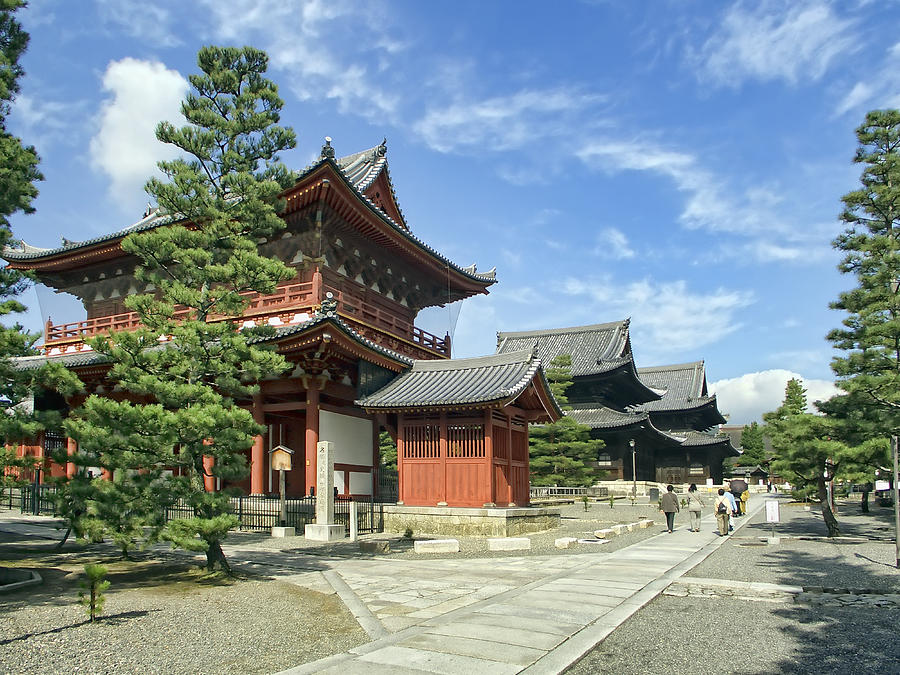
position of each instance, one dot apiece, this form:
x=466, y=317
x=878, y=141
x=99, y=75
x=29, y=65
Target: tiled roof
x=89, y=358
x=499, y=377
x=684, y=387
x=605, y=418
x=360, y=170
x=699, y=439
x=594, y=349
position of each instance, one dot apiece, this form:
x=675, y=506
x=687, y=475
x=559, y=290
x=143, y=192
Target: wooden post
x=443, y=450
x=71, y=449
x=257, y=452
x=317, y=286
x=312, y=433
x=400, y=452
x=281, y=487
x=509, y=467
x=896, y=498
x=489, y=456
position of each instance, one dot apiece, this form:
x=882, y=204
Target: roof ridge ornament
x=327, y=150
x=381, y=150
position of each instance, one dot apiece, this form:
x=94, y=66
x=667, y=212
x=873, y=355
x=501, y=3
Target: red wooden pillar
x=257, y=452
x=401, y=451
x=209, y=481
x=317, y=286
x=312, y=433
x=71, y=449
x=509, y=467
x=489, y=456
x=442, y=450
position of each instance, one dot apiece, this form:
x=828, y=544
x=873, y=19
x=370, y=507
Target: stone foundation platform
x=469, y=522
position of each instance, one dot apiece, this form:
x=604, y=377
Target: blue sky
x=679, y=163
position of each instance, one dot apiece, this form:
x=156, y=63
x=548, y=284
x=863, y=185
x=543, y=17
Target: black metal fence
x=257, y=513
x=36, y=500
x=254, y=513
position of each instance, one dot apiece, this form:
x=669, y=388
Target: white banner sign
x=882, y=485
x=772, y=511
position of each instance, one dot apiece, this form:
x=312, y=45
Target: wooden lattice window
x=465, y=440
x=421, y=441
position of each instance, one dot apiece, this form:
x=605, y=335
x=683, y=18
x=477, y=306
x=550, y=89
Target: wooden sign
x=280, y=458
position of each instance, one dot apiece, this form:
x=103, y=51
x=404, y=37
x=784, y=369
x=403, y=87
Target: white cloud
x=42, y=122
x=139, y=19
x=302, y=39
x=502, y=123
x=612, y=243
x=125, y=148
x=668, y=317
x=709, y=205
x=881, y=91
x=776, y=40
x=747, y=397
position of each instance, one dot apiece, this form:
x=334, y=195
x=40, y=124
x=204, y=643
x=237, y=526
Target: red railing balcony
x=290, y=304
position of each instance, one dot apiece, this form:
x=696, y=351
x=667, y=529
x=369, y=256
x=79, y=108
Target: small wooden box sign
x=280, y=458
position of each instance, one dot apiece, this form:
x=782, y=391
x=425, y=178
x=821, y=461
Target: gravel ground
x=164, y=616
x=669, y=634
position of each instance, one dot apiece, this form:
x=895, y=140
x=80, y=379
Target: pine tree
x=563, y=453
x=870, y=370
x=807, y=448
x=185, y=371
x=754, y=445
x=18, y=175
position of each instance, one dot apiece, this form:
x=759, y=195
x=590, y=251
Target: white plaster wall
x=360, y=483
x=351, y=436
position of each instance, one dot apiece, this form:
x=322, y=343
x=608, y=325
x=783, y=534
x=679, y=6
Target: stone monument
x=324, y=528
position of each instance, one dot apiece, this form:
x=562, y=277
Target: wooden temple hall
x=658, y=424
x=346, y=322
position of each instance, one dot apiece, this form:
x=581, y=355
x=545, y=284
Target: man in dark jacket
x=669, y=505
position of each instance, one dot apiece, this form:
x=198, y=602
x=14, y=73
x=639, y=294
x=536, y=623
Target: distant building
x=666, y=411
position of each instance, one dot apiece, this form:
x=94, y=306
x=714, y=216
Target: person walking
x=745, y=499
x=694, y=504
x=669, y=505
x=722, y=506
x=732, y=508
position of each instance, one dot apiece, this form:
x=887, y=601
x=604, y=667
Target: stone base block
x=771, y=541
x=469, y=522
x=565, y=542
x=437, y=546
x=620, y=529
x=644, y=524
x=375, y=546
x=284, y=532
x=316, y=532
x=604, y=534
x=509, y=544
x=631, y=527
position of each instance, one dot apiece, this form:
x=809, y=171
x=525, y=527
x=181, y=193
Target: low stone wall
x=469, y=522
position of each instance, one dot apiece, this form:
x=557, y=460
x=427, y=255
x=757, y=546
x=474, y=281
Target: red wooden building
x=345, y=322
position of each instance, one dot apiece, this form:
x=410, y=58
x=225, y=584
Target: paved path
x=529, y=614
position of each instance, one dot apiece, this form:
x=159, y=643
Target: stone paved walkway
x=528, y=614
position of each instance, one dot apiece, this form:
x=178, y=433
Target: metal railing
x=549, y=491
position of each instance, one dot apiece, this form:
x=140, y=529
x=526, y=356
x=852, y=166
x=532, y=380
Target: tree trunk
x=831, y=522
x=865, y=501
x=215, y=557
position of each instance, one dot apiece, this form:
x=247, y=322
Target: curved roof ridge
x=557, y=331
x=674, y=366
